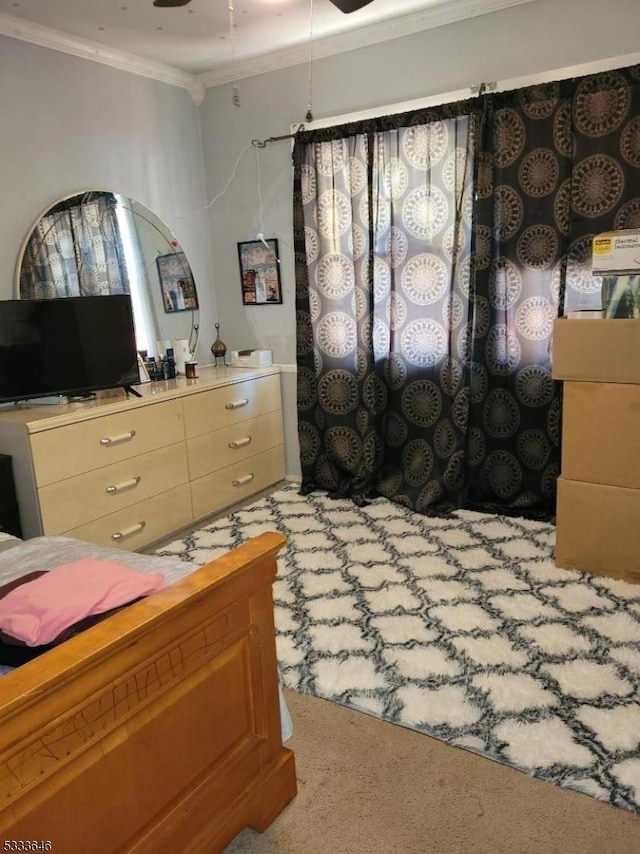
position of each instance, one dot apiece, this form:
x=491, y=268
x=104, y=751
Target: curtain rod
x=480, y=88
x=476, y=89
x=262, y=143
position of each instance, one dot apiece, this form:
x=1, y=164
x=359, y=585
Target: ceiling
x=196, y=38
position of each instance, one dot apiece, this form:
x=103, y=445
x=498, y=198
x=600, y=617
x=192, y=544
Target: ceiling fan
x=344, y=5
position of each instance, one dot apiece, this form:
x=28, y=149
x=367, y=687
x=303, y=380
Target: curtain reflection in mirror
x=76, y=250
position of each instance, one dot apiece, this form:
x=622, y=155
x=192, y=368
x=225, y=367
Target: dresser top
x=34, y=418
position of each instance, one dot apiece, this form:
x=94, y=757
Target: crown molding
x=428, y=19
x=48, y=37
x=195, y=84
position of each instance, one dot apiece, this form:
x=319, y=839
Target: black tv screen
x=71, y=345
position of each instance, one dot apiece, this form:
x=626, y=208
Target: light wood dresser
x=129, y=471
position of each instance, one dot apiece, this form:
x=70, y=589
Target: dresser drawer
x=142, y=523
x=213, y=451
x=219, y=407
x=67, y=451
x=77, y=500
x=234, y=483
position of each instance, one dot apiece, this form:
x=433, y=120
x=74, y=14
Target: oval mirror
x=100, y=242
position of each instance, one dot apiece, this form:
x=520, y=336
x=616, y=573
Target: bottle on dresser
x=168, y=365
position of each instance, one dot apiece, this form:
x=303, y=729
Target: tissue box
x=250, y=358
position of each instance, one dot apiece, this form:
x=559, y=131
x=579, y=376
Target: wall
x=69, y=124
x=529, y=39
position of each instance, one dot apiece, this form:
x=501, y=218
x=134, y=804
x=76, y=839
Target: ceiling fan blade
x=169, y=4
x=350, y=5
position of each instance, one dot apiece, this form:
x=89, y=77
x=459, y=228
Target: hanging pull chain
x=309, y=116
x=234, y=56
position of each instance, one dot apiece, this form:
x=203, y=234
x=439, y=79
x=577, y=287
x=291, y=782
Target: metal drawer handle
x=128, y=532
x=236, y=404
x=240, y=443
x=114, y=440
x=126, y=484
x=242, y=480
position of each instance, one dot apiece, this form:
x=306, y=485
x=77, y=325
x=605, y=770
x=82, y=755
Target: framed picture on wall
x=176, y=283
x=260, y=272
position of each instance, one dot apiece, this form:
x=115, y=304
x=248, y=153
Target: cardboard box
x=600, y=425
x=597, y=529
x=616, y=253
x=597, y=350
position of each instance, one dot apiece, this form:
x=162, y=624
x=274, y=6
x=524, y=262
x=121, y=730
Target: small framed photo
x=260, y=272
x=176, y=283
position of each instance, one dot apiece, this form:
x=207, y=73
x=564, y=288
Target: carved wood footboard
x=157, y=730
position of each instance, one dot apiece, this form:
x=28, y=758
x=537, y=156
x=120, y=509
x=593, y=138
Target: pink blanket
x=37, y=612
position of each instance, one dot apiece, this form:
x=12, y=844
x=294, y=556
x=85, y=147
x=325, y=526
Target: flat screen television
x=67, y=346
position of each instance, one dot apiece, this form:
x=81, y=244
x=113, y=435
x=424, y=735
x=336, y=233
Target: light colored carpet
x=368, y=787
x=461, y=628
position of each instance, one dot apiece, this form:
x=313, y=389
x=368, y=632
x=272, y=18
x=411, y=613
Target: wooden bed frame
x=157, y=730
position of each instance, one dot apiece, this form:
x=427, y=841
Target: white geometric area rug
x=461, y=628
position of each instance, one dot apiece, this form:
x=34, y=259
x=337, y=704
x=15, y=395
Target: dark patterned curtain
x=521, y=238
x=76, y=250
x=433, y=253
x=605, y=182
x=383, y=241
x=557, y=164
